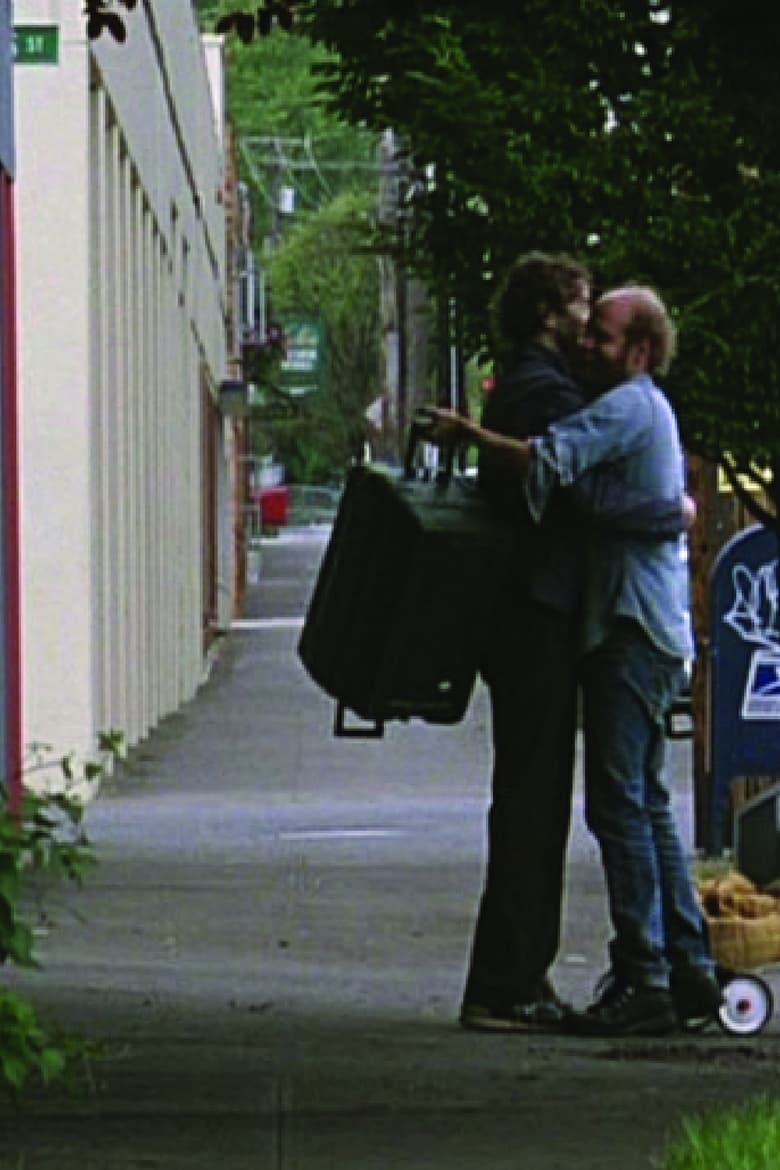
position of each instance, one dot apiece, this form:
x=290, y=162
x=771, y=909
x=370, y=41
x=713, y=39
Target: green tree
x=316, y=261
x=287, y=136
x=325, y=267
x=642, y=135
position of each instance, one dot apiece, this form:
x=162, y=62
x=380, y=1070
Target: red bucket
x=274, y=506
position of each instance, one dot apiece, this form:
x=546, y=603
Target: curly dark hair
x=535, y=284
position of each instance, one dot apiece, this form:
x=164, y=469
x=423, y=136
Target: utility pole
x=402, y=295
x=402, y=309
x=703, y=486
x=393, y=297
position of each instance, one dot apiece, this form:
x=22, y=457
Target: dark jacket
x=536, y=391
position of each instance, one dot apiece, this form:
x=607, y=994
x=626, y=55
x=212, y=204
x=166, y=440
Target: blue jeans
x=628, y=684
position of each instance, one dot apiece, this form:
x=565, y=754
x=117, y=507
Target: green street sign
x=303, y=366
x=36, y=44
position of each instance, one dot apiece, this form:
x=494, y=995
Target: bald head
x=641, y=314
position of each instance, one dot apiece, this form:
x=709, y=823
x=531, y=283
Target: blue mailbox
x=745, y=679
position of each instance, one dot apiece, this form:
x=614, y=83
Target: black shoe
x=546, y=1013
x=625, y=1009
x=697, y=997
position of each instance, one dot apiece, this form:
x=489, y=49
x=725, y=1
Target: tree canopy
x=641, y=136
x=318, y=260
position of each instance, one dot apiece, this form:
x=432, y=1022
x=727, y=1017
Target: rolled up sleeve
x=616, y=424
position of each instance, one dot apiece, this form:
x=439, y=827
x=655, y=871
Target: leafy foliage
x=326, y=268
x=102, y=18
x=45, y=838
x=641, y=135
x=318, y=261
x=262, y=22
x=26, y=1047
x=287, y=135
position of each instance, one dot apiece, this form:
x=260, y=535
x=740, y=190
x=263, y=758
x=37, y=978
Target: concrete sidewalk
x=273, y=946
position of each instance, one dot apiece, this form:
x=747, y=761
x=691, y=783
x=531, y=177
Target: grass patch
x=746, y=1137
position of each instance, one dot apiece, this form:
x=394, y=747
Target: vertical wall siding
x=147, y=421
x=99, y=364
x=121, y=262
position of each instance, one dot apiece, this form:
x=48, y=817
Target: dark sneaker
x=548, y=1013
x=624, y=1009
x=697, y=997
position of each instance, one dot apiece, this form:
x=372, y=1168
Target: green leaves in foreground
x=26, y=1049
x=44, y=839
x=746, y=1137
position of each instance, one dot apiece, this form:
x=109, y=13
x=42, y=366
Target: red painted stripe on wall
x=10, y=496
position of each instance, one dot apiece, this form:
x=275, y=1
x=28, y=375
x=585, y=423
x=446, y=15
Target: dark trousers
x=531, y=679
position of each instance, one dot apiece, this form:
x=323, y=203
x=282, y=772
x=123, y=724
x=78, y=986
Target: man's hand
x=450, y=429
x=445, y=427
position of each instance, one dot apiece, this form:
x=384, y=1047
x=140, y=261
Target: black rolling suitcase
x=401, y=607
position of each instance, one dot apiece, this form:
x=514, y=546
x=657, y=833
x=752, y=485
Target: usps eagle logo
x=754, y=617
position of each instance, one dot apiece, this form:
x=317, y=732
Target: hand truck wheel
x=747, y=1005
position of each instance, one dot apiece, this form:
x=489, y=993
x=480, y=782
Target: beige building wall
x=121, y=242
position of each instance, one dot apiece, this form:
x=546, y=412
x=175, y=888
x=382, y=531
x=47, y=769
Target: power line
x=257, y=179
x=307, y=145
x=267, y=152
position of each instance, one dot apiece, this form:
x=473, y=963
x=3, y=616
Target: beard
x=589, y=373
x=597, y=374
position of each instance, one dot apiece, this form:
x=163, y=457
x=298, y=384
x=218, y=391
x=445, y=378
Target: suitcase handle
x=419, y=432
x=375, y=730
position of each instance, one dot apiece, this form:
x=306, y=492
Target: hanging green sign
x=303, y=366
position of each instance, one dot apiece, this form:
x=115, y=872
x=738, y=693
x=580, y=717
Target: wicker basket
x=745, y=942
x=743, y=922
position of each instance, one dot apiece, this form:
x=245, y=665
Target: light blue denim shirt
x=631, y=429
